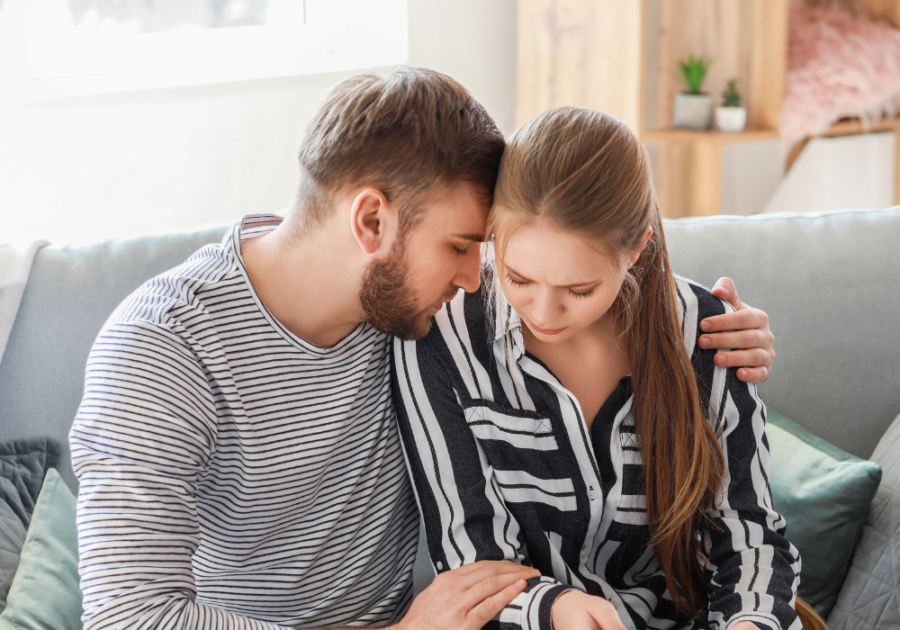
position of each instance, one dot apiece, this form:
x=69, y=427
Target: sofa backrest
x=70, y=294
x=828, y=281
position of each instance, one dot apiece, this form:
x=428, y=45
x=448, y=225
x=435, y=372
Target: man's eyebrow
x=562, y=286
x=477, y=238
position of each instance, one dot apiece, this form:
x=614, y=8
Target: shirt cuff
x=531, y=610
x=764, y=621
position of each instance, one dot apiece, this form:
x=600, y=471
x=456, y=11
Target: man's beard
x=388, y=302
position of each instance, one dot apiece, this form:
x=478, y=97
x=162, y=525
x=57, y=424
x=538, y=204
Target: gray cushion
x=71, y=292
x=870, y=596
x=828, y=281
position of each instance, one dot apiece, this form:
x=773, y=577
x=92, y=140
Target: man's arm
x=142, y=436
x=744, y=333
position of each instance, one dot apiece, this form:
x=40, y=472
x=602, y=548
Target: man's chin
x=406, y=331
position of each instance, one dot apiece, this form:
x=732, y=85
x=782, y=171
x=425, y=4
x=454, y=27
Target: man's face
x=427, y=266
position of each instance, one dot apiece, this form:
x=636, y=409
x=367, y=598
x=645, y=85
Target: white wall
x=114, y=165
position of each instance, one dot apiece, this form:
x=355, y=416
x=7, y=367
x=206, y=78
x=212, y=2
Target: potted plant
x=731, y=117
x=693, y=109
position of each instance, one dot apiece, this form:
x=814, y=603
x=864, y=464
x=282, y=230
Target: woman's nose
x=546, y=310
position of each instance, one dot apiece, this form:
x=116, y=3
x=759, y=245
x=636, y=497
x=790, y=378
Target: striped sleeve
x=465, y=518
x=144, y=432
x=752, y=569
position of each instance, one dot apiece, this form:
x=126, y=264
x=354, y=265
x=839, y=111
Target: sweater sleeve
x=465, y=517
x=142, y=437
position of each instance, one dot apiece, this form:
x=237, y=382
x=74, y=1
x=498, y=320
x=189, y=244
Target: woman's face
x=559, y=283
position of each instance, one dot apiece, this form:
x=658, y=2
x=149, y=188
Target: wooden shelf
x=621, y=57
x=855, y=126
x=708, y=135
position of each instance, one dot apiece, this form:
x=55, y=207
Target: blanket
x=15, y=267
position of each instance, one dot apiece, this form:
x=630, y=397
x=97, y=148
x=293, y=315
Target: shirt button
x=592, y=494
x=583, y=552
x=440, y=565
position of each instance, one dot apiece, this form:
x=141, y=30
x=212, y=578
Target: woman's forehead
x=541, y=251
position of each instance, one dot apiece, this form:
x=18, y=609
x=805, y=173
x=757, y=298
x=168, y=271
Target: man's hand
x=746, y=332
x=576, y=610
x=468, y=597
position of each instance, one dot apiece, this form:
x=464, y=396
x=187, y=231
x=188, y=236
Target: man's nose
x=468, y=275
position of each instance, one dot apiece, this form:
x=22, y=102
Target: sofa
x=830, y=283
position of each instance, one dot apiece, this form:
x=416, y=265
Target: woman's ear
x=648, y=234
x=373, y=221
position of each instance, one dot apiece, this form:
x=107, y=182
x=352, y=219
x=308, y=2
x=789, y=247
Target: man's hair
x=408, y=134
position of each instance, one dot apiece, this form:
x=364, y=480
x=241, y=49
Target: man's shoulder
x=180, y=292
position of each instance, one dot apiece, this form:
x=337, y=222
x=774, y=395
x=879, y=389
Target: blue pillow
x=45, y=594
x=824, y=495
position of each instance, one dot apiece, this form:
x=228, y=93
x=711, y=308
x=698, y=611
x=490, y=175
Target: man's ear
x=373, y=221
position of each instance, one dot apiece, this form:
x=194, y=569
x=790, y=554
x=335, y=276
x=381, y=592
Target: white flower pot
x=731, y=119
x=693, y=111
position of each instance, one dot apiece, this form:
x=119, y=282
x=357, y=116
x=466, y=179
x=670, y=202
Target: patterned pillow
x=22, y=467
x=870, y=597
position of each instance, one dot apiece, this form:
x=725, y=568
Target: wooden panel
x=580, y=52
x=688, y=178
x=704, y=181
x=746, y=39
x=747, y=135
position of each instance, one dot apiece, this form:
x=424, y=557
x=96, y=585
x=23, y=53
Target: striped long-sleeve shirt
x=232, y=474
x=504, y=468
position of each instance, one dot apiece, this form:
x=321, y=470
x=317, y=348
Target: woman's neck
x=589, y=364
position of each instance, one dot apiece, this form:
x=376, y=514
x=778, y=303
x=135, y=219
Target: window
x=55, y=48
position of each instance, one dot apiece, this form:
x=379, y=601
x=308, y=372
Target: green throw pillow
x=45, y=593
x=824, y=495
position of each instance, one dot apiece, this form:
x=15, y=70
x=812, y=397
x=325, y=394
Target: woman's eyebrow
x=562, y=286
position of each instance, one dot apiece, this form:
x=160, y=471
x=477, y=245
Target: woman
x=564, y=416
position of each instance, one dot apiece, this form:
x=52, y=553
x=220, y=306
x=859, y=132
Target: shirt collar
x=508, y=324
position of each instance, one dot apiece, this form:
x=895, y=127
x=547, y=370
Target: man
x=236, y=445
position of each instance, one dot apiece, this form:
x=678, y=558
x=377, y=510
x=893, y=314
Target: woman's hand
x=746, y=332
x=468, y=597
x=576, y=610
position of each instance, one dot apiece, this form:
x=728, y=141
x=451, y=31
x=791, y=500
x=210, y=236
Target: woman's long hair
x=585, y=173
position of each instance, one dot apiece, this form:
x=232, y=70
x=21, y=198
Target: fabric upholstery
x=870, y=597
x=45, y=594
x=71, y=292
x=828, y=282
x=824, y=495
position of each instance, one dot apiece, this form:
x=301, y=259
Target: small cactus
x=730, y=96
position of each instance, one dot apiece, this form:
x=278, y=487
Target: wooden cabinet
x=620, y=57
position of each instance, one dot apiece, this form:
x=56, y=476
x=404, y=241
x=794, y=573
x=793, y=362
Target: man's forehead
x=459, y=212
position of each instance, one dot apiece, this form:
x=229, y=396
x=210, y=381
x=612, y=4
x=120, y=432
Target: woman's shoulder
x=694, y=303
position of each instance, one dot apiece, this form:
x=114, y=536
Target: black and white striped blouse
x=232, y=474
x=505, y=468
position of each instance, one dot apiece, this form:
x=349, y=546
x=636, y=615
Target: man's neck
x=306, y=282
